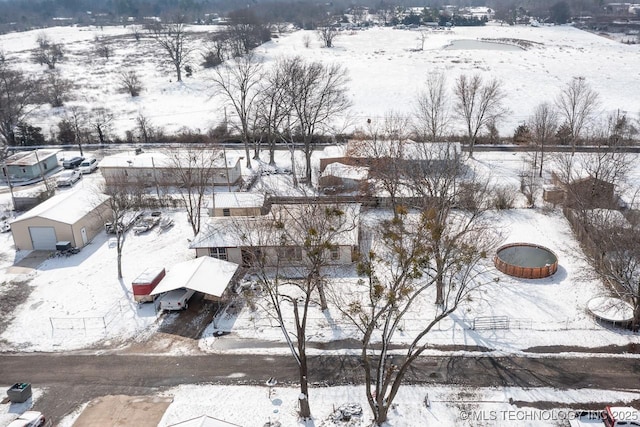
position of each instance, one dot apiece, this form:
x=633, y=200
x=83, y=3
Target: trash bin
x=19, y=392
x=63, y=246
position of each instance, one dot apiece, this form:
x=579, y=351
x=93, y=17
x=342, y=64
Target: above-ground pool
x=526, y=260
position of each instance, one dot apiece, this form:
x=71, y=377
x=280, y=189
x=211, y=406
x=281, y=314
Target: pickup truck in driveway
x=611, y=416
x=176, y=299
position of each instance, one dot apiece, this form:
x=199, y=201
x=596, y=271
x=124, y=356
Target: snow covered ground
x=78, y=302
x=385, y=67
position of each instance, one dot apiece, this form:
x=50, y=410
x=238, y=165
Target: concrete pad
x=29, y=263
x=124, y=411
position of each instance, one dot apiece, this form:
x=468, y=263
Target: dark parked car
x=72, y=163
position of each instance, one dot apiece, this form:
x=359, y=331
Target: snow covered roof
x=68, y=207
x=29, y=158
x=156, y=160
x=230, y=232
x=346, y=171
x=238, y=200
x=406, y=149
x=611, y=309
x=205, y=274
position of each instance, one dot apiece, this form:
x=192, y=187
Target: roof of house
x=229, y=232
x=205, y=274
x=410, y=150
x=30, y=158
x=238, y=200
x=68, y=207
x=158, y=160
x=346, y=171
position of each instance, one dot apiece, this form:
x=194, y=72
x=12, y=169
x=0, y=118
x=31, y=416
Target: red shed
x=145, y=283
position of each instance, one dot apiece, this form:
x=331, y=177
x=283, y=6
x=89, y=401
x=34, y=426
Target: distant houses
x=151, y=168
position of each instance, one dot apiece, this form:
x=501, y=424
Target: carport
x=73, y=216
x=208, y=275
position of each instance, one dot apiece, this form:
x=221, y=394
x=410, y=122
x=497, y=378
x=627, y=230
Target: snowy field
x=384, y=65
x=78, y=302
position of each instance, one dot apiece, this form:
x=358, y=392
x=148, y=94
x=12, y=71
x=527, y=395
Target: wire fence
x=87, y=324
x=411, y=325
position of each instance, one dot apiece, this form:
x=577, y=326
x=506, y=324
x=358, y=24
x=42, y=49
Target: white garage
x=73, y=216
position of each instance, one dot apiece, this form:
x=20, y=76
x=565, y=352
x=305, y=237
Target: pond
x=468, y=44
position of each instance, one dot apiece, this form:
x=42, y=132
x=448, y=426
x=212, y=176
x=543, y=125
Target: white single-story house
x=157, y=168
x=242, y=239
x=236, y=204
x=30, y=165
x=208, y=275
x=74, y=216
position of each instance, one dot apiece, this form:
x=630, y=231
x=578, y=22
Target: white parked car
x=68, y=178
x=29, y=419
x=88, y=165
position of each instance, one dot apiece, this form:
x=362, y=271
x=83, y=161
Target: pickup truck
x=611, y=416
x=176, y=299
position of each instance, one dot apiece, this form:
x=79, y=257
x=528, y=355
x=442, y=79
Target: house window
x=290, y=253
x=335, y=253
x=220, y=253
x=226, y=212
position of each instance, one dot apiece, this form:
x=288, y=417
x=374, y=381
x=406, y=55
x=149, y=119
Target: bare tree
x=317, y=94
x=102, y=48
x=192, y=177
x=327, y=35
x=124, y=201
x=273, y=109
x=432, y=111
x=386, y=147
x=239, y=83
x=393, y=282
x=619, y=129
x=17, y=97
x=174, y=40
x=543, y=124
x=246, y=31
x=48, y=52
x=144, y=127
x=216, y=49
x=456, y=200
x=79, y=118
x=101, y=119
x=130, y=82
x=56, y=89
x=478, y=104
x=618, y=260
x=305, y=238
x=577, y=103
x=423, y=35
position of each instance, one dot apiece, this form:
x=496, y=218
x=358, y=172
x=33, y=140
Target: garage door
x=43, y=238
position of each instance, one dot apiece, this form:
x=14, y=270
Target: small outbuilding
x=27, y=166
x=74, y=216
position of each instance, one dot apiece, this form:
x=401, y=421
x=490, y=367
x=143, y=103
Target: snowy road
x=69, y=380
